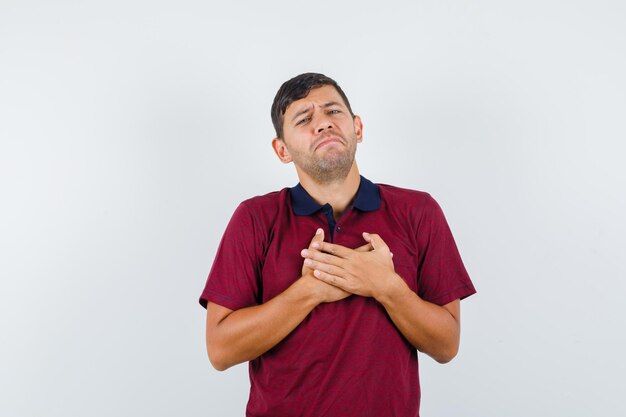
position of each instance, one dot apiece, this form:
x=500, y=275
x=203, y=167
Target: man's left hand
x=369, y=274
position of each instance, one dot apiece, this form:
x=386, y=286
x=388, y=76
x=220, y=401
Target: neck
x=339, y=194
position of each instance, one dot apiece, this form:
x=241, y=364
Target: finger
x=333, y=249
x=330, y=279
x=318, y=237
x=365, y=248
x=375, y=240
x=322, y=257
x=320, y=266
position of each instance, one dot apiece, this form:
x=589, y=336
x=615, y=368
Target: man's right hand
x=236, y=336
x=326, y=293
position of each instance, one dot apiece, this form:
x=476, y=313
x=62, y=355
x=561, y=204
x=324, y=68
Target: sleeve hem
x=221, y=299
x=458, y=293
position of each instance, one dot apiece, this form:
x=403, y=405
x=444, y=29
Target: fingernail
x=308, y=262
x=317, y=273
x=315, y=245
x=304, y=252
x=318, y=231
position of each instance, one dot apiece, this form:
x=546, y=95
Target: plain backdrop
x=130, y=130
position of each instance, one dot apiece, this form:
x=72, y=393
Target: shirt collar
x=367, y=198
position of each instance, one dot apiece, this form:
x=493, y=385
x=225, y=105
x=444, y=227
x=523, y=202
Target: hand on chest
x=283, y=260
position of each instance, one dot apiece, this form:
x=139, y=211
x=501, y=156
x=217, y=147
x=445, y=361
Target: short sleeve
x=442, y=277
x=233, y=281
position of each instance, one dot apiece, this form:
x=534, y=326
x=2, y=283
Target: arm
x=236, y=336
x=432, y=329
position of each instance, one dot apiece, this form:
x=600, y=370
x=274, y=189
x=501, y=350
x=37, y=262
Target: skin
x=238, y=336
x=320, y=137
x=303, y=136
x=432, y=329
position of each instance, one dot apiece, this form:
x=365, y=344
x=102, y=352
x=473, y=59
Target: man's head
x=296, y=88
x=316, y=129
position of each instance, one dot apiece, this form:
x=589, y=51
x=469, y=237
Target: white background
x=130, y=130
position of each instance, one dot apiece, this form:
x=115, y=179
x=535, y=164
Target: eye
x=334, y=111
x=302, y=121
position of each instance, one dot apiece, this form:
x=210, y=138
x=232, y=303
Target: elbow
x=448, y=349
x=446, y=355
x=443, y=359
x=216, y=356
x=217, y=361
x=218, y=366
x=217, y=348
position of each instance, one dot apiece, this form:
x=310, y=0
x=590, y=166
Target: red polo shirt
x=346, y=358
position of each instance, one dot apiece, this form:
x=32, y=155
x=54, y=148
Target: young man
x=329, y=288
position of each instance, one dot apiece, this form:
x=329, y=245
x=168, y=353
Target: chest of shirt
x=283, y=262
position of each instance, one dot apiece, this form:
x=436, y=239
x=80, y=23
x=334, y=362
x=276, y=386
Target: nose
x=323, y=124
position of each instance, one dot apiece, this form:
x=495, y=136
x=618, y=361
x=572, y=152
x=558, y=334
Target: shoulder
x=268, y=200
x=404, y=197
x=254, y=216
x=264, y=208
x=415, y=206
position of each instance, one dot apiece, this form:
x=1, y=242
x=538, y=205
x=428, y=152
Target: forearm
x=249, y=332
x=430, y=328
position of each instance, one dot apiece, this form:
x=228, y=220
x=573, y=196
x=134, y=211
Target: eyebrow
x=330, y=104
x=300, y=113
x=306, y=110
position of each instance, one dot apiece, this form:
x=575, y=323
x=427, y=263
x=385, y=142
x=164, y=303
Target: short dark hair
x=296, y=88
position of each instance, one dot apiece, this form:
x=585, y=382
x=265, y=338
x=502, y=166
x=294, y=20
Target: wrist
x=393, y=289
x=307, y=292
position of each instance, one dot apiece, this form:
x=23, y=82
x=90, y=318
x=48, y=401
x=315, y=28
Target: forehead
x=317, y=96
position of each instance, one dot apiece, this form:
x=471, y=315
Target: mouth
x=327, y=141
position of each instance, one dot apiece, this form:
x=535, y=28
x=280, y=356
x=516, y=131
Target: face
x=320, y=136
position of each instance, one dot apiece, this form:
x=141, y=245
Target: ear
x=358, y=128
x=281, y=150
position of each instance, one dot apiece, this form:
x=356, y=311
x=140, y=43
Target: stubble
x=327, y=166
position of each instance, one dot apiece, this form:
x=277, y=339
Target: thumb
x=376, y=241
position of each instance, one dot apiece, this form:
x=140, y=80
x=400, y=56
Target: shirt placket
x=334, y=227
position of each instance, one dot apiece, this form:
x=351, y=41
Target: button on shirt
x=346, y=358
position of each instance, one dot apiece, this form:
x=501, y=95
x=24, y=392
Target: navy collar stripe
x=367, y=198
